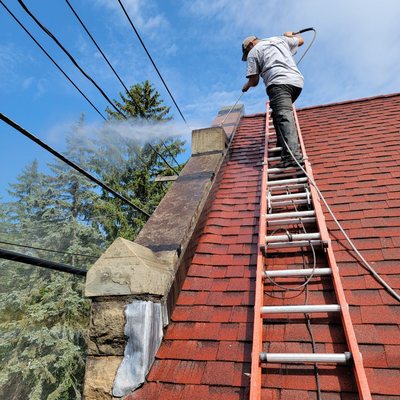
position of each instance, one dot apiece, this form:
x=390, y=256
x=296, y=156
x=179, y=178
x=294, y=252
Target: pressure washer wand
x=303, y=30
x=227, y=115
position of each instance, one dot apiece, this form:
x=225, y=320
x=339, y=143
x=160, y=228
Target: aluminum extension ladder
x=288, y=200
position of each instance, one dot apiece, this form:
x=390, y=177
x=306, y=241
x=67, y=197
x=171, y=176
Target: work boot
x=289, y=163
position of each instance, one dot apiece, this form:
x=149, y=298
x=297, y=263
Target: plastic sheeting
x=144, y=328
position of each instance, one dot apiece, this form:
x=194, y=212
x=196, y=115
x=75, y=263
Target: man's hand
x=252, y=82
x=245, y=88
x=291, y=34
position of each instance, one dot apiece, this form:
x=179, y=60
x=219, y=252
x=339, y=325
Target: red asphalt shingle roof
x=355, y=155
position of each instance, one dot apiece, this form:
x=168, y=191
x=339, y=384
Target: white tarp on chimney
x=144, y=328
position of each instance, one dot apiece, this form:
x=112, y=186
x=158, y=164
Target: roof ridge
x=260, y=114
x=362, y=99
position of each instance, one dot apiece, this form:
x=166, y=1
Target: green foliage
x=134, y=175
x=42, y=328
x=43, y=314
x=142, y=101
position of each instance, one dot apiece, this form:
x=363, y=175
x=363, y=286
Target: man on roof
x=272, y=58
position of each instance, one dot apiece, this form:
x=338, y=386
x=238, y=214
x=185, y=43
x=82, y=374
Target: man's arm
x=252, y=81
x=290, y=34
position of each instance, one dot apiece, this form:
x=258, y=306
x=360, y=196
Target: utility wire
x=76, y=64
x=112, y=68
x=97, y=46
x=125, y=87
x=40, y=262
x=70, y=163
x=44, y=29
x=49, y=250
x=151, y=59
x=51, y=59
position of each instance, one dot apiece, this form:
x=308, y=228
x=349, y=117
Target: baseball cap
x=245, y=44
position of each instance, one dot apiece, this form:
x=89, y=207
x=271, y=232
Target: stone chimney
x=134, y=285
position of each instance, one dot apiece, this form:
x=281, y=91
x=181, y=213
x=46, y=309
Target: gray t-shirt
x=273, y=59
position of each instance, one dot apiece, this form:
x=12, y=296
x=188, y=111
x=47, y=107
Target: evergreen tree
x=134, y=175
x=142, y=101
x=43, y=314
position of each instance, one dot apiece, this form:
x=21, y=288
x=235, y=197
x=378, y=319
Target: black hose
x=312, y=41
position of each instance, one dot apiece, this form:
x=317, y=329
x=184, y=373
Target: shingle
x=206, y=351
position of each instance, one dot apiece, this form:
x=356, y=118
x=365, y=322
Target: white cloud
x=8, y=56
x=356, y=51
x=143, y=13
x=171, y=50
x=27, y=83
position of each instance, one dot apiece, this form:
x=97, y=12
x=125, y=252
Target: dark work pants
x=281, y=99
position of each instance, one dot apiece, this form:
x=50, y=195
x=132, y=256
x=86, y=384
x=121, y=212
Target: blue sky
x=196, y=45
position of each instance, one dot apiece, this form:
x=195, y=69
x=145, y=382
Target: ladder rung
x=274, y=149
x=301, y=195
x=293, y=221
x=287, y=182
x=320, y=308
x=293, y=214
x=272, y=159
x=298, y=272
x=285, y=187
x=299, y=243
x=293, y=237
x=296, y=173
x=273, y=171
x=336, y=358
x=288, y=203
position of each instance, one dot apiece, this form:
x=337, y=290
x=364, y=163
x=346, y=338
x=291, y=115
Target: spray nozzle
x=303, y=30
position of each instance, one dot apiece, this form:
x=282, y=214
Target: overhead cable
x=44, y=29
x=48, y=250
x=151, y=59
x=97, y=46
x=70, y=163
x=40, y=262
x=83, y=72
x=122, y=83
x=52, y=60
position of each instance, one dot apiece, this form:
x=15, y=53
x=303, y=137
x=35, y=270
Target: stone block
x=128, y=268
x=99, y=377
x=106, y=333
x=172, y=223
x=208, y=140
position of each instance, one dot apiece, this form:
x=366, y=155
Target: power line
x=55, y=63
x=48, y=250
x=44, y=29
x=40, y=262
x=70, y=163
x=151, y=59
x=97, y=46
x=120, y=80
x=51, y=59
